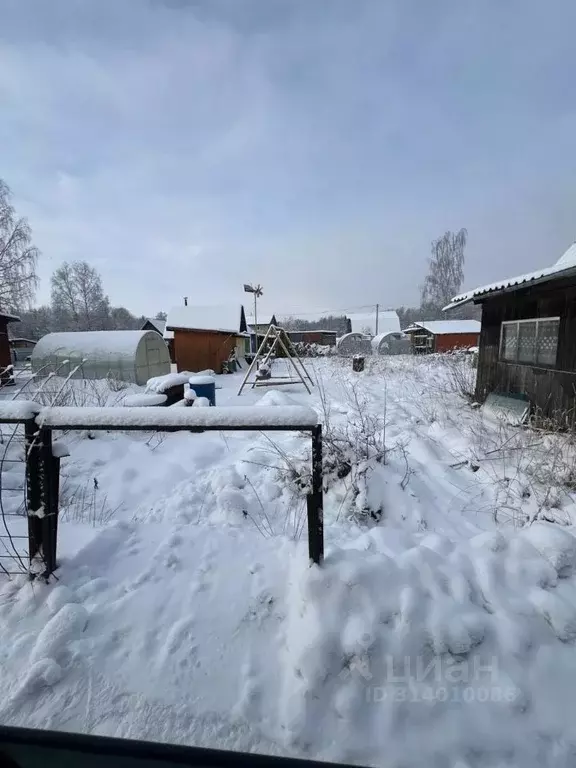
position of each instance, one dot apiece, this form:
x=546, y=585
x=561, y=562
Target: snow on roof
x=443, y=327
x=263, y=319
x=225, y=318
x=92, y=345
x=10, y=318
x=566, y=265
x=365, y=322
x=20, y=338
x=235, y=417
x=160, y=325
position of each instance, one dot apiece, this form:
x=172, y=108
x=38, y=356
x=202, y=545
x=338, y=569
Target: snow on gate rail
x=170, y=419
x=297, y=418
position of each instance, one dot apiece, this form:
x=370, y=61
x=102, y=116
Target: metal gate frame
x=43, y=472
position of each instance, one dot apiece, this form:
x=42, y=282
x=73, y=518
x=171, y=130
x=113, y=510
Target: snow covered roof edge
x=566, y=265
x=445, y=327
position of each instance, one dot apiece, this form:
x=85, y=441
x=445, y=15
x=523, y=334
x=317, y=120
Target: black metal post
x=49, y=502
x=33, y=488
x=55, y=506
x=315, y=501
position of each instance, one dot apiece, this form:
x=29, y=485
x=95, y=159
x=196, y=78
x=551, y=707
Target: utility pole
x=377, y=308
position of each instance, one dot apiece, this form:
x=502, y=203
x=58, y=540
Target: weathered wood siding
x=325, y=338
x=553, y=390
x=5, y=356
x=448, y=341
x=199, y=350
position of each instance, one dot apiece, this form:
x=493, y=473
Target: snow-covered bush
x=352, y=448
x=314, y=350
x=115, y=383
x=59, y=391
x=530, y=475
x=460, y=373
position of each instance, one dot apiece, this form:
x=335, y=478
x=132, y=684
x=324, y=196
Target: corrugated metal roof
x=565, y=265
x=225, y=319
x=444, y=327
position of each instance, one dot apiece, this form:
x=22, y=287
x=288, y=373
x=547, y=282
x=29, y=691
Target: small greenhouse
x=391, y=344
x=133, y=356
x=353, y=344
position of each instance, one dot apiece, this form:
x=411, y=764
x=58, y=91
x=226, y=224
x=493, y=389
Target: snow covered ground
x=439, y=631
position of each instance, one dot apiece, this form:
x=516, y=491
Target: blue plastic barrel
x=204, y=386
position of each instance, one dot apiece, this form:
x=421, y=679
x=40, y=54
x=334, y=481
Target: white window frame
x=536, y=320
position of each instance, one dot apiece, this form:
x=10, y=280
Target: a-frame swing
x=261, y=364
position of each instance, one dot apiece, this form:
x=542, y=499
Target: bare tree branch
x=446, y=271
x=18, y=258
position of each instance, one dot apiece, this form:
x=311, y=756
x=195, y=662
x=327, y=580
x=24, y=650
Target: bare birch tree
x=78, y=299
x=18, y=257
x=446, y=271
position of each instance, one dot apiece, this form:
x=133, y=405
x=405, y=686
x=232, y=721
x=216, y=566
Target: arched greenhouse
x=353, y=344
x=391, y=343
x=133, y=356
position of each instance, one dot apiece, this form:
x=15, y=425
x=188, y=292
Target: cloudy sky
x=184, y=147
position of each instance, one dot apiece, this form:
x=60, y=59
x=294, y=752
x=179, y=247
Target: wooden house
x=528, y=338
x=24, y=347
x=257, y=331
x=153, y=324
x=443, y=335
x=206, y=337
x=5, y=351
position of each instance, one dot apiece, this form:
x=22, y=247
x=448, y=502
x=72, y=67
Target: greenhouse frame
x=353, y=344
x=391, y=343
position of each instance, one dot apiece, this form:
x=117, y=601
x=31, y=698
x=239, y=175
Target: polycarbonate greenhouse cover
x=95, y=346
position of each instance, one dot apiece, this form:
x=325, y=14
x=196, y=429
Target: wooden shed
x=528, y=339
x=26, y=345
x=5, y=352
x=324, y=338
x=443, y=335
x=206, y=337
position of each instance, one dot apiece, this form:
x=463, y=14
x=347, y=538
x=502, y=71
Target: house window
x=533, y=342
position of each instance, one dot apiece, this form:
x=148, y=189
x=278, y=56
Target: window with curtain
x=530, y=341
